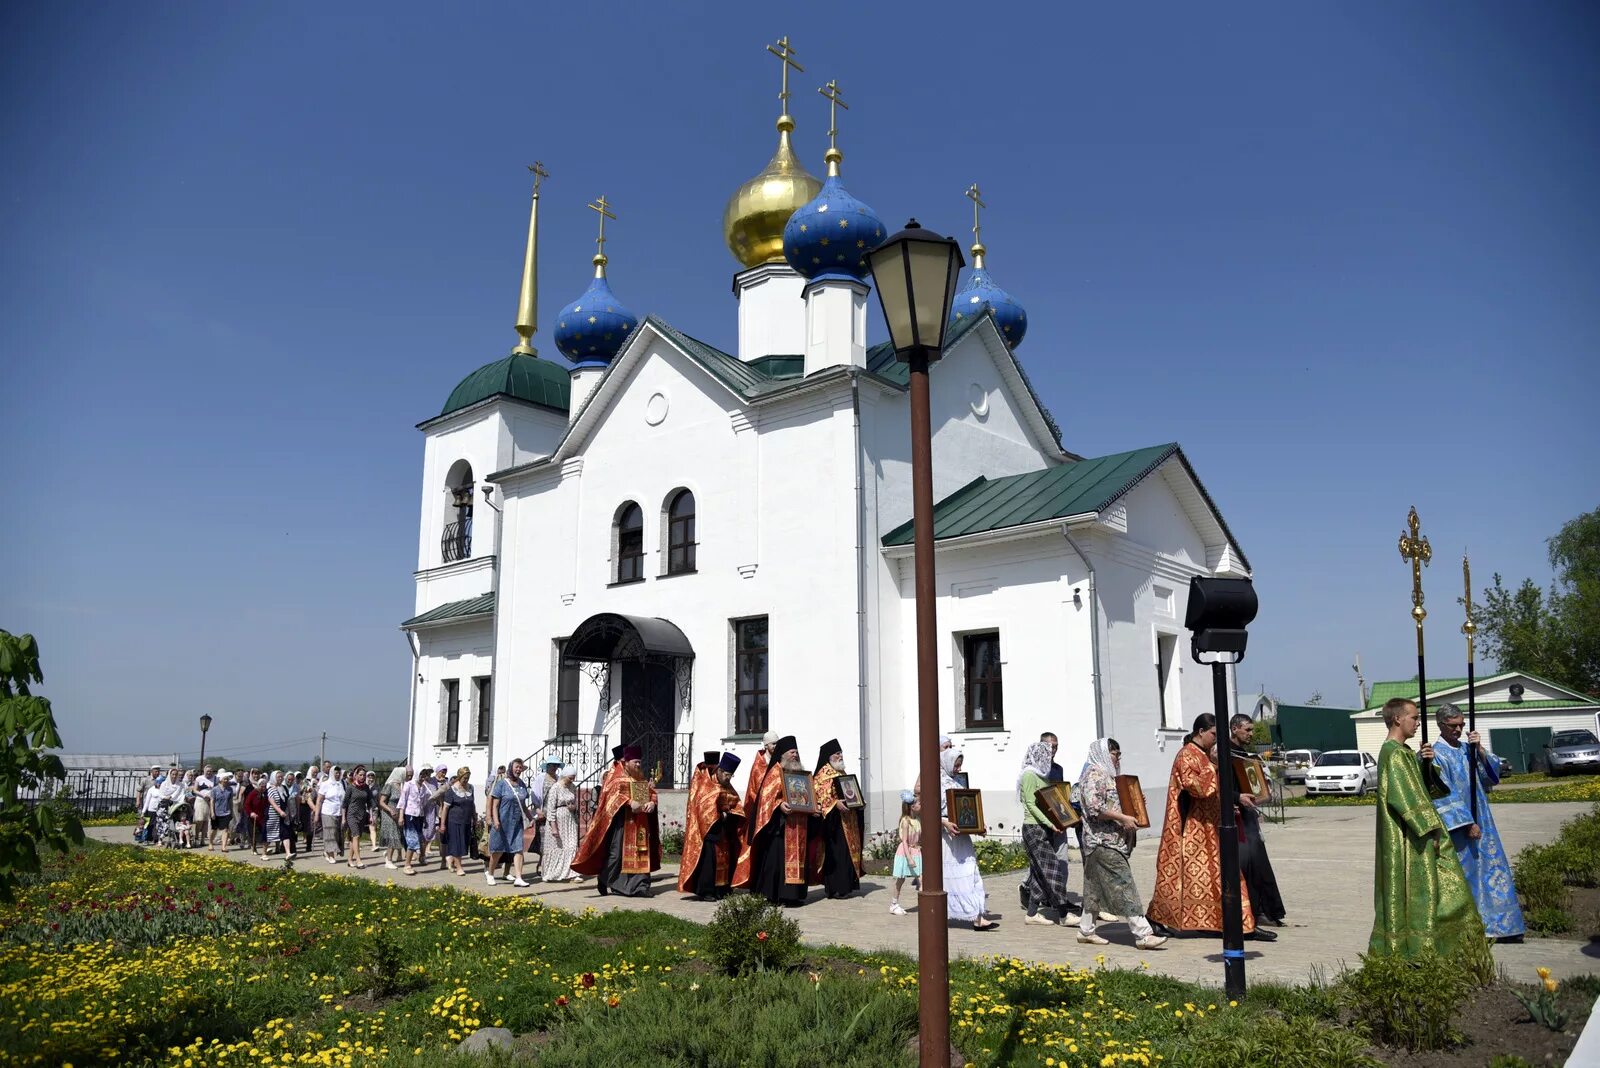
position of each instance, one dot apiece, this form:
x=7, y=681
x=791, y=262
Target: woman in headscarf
x=460, y=802
x=1188, y=893
x=279, y=828
x=1047, y=869
x=963, y=883
x=1108, y=837
x=560, y=829
x=389, y=818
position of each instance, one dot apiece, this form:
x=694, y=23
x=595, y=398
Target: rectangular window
x=985, y=702
x=630, y=555
x=482, y=694
x=1167, y=680
x=452, y=711
x=567, y=677
x=750, y=676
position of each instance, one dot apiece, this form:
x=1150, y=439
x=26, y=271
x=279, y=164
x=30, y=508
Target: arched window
x=456, y=541
x=680, y=533
x=630, y=543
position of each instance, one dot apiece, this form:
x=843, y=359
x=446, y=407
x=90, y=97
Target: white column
x=836, y=323
x=584, y=378
x=771, y=311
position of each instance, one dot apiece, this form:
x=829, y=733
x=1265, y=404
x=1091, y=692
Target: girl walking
x=908, y=854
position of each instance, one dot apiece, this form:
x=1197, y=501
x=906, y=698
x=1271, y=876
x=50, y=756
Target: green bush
x=1264, y=1041
x=1538, y=872
x=1548, y=921
x=1586, y=986
x=747, y=934
x=672, y=838
x=383, y=965
x=995, y=857
x=881, y=845
x=1409, y=1001
x=1316, y=999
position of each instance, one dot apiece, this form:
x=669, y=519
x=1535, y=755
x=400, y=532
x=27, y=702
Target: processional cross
x=1415, y=550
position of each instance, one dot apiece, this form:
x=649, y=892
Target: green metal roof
x=454, y=612
x=779, y=366
x=1383, y=692
x=1055, y=493
x=527, y=378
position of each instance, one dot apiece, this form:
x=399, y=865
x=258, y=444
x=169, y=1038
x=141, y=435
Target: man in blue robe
x=1483, y=858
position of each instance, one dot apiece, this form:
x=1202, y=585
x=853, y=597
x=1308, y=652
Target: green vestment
x=1420, y=898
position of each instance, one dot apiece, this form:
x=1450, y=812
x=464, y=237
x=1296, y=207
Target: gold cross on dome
x=976, y=197
x=605, y=212
x=786, y=54
x=539, y=175
x=1415, y=550
x=835, y=102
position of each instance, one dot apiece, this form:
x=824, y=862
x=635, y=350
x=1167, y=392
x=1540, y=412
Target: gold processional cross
x=786, y=54
x=605, y=213
x=1415, y=549
x=1469, y=628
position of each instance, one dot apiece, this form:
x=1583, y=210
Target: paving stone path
x=1323, y=858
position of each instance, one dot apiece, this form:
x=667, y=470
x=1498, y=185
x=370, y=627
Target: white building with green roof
x=669, y=545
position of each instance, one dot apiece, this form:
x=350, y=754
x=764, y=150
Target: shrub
x=1586, y=986
x=672, y=838
x=995, y=857
x=881, y=845
x=383, y=965
x=1409, y=1001
x=747, y=934
x=1548, y=921
x=1539, y=877
x=1265, y=1041
x=1316, y=999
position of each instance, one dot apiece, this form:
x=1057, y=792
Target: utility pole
x=322, y=750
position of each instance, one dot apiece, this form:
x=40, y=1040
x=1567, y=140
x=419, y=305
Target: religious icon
x=1056, y=801
x=1130, y=797
x=848, y=787
x=638, y=792
x=966, y=811
x=1251, y=777
x=798, y=793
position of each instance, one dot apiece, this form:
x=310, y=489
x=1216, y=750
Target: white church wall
x=527, y=434
x=773, y=492
x=476, y=440
x=463, y=652
x=1022, y=590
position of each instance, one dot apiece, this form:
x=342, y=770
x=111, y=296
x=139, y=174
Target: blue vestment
x=1483, y=861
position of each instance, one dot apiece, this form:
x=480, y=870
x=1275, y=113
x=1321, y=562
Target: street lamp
x=205, y=725
x=915, y=275
x=1219, y=611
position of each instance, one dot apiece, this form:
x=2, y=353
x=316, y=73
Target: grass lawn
x=120, y=955
x=1576, y=788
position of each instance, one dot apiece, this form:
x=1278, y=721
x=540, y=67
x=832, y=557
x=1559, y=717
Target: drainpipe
x=494, y=629
x=861, y=580
x=415, y=646
x=1094, y=636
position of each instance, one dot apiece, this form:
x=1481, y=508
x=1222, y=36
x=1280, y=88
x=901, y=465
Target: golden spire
x=833, y=157
x=528, y=300
x=978, y=250
x=604, y=209
x=753, y=221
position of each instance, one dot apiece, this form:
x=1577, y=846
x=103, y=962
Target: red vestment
x=758, y=771
x=1188, y=893
x=768, y=797
x=710, y=803
x=641, y=843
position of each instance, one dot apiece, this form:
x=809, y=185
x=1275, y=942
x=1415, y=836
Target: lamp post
x=205, y=725
x=915, y=273
x=1219, y=611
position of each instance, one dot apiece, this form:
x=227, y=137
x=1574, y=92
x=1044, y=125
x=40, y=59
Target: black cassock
x=1254, y=865
x=766, y=877
x=703, y=883
x=839, y=876
x=612, y=881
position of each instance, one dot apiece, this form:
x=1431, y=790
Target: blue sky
x=1348, y=255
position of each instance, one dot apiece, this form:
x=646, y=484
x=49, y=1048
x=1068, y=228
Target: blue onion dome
x=592, y=328
x=832, y=234
x=979, y=293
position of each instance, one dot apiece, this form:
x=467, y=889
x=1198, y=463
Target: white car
x=1296, y=762
x=1342, y=771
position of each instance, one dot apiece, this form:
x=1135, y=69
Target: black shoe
x=1022, y=894
x=1261, y=935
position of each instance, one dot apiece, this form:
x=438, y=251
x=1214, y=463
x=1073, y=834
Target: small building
x=1517, y=712
x=1314, y=727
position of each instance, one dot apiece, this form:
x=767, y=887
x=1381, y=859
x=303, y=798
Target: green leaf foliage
x=28, y=727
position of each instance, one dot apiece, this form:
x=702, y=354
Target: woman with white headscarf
x=963, y=883
x=389, y=818
x=560, y=828
x=1108, y=837
x=279, y=828
x=1047, y=868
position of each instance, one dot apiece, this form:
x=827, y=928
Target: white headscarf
x=947, y=777
x=1037, y=760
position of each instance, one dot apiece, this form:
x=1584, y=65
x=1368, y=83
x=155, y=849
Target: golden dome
x=753, y=222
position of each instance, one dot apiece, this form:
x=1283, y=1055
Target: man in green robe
x=1421, y=900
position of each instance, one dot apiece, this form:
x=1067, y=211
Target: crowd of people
x=1442, y=878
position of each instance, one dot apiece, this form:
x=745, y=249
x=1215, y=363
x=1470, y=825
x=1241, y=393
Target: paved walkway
x=1323, y=858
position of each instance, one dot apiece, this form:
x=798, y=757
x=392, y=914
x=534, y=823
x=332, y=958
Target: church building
x=655, y=542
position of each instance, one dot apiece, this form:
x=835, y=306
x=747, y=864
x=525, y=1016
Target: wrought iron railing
x=588, y=753
x=93, y=792
x=673, y=752
x=457, y=541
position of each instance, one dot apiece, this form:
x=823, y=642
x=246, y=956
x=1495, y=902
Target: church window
x=451, y=698
x=750, y=676
x=482, y=700
x=456, y=542
x=985, y=704
x=680, y=533
x=1167, y=692
x=630, y=543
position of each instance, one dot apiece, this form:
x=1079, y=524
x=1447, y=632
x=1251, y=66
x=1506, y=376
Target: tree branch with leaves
x=29, y=729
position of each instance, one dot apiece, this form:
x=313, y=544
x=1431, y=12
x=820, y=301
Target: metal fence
x=93, y=792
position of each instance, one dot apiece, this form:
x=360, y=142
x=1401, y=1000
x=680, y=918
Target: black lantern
x=915, y=273
x=205, y=723
x=1219, y=611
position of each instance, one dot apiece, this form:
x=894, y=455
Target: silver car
x=1297, y=761
x=1343, y=771
x=1570, y=751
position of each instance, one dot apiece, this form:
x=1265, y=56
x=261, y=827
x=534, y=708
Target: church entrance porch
x=651, y=662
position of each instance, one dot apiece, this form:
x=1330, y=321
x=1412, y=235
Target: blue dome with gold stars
x=592, y=328
x=831, y=235
x=979, y=293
